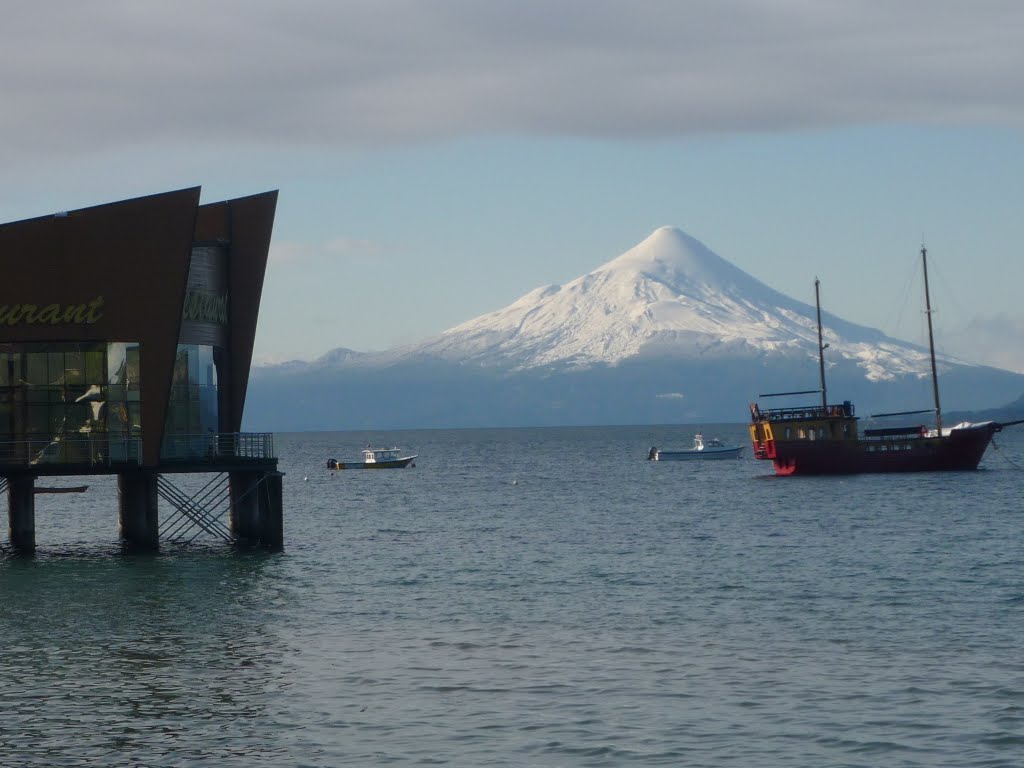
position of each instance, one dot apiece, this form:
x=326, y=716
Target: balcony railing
x=103, y=451
x=98, y=451
x=217, y=446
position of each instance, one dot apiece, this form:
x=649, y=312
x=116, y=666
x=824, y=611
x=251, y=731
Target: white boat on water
x=375, y=458
x=702, y=450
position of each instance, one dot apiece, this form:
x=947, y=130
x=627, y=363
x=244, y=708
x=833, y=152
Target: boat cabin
x=814, y=422
x=374, y=455
x=699, y=443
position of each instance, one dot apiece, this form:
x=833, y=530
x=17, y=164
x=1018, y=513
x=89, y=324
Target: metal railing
x=804, y=413
x=104, y=451
x=217, y=446
x=92, y=451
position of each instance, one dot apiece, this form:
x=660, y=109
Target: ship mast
x=821, y=351
x=931, y=343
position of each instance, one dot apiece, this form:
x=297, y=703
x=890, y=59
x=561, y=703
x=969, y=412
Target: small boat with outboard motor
x=376, y=458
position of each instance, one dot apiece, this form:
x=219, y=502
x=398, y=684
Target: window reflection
x=81, y=402
x=70, y=398
x=193, y=412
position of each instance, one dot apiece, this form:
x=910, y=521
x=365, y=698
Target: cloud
x=104, y=75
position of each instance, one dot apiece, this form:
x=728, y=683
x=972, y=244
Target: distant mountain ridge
x=668, y=330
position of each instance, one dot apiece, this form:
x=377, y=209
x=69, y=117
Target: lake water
x=534, y=597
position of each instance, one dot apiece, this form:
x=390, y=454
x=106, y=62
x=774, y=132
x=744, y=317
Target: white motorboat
x=702, y=450
x=375, y=458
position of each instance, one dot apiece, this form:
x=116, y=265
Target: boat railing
x=894, y=433
x=803, y=413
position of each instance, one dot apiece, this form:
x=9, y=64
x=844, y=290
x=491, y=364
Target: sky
x=438, y=159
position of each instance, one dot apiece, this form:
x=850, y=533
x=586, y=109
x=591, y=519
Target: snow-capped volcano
x=669, y=296
x=666, y=333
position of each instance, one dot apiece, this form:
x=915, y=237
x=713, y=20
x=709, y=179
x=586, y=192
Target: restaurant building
x=126, y=338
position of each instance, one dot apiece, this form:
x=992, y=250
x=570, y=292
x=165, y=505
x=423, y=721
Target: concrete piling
x=21, y=512
x=256, y=508
x=138, y=521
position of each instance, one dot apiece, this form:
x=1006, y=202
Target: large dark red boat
x=824, y=439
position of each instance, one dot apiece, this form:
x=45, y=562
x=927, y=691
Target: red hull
x=961, y=449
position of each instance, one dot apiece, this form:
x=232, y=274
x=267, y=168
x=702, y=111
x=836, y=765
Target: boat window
x=788, y=433
x=821, y=433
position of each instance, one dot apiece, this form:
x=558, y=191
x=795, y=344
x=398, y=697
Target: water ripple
x=600, y=612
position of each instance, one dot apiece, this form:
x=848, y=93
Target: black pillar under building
x=256, y=507
x=273, y=513
x=138, y=521
x=21, y=511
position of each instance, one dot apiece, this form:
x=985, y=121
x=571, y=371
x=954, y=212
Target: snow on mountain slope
x=669, y=296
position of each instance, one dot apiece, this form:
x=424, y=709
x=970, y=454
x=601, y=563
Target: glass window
x=95, y=369
x=132, y=366
x=55, y=422
x=208, y=408
x=74, y=367
x=193, y=364
x=79, y=417
x=117, y=417
x=55, y=362
x=207, y=367
x=38, y=420
x=180, y=376
x=36, y=373
x=6, y=412
x=135, y=417
x=116, y=358
x=194, y=407
x=56, y=393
